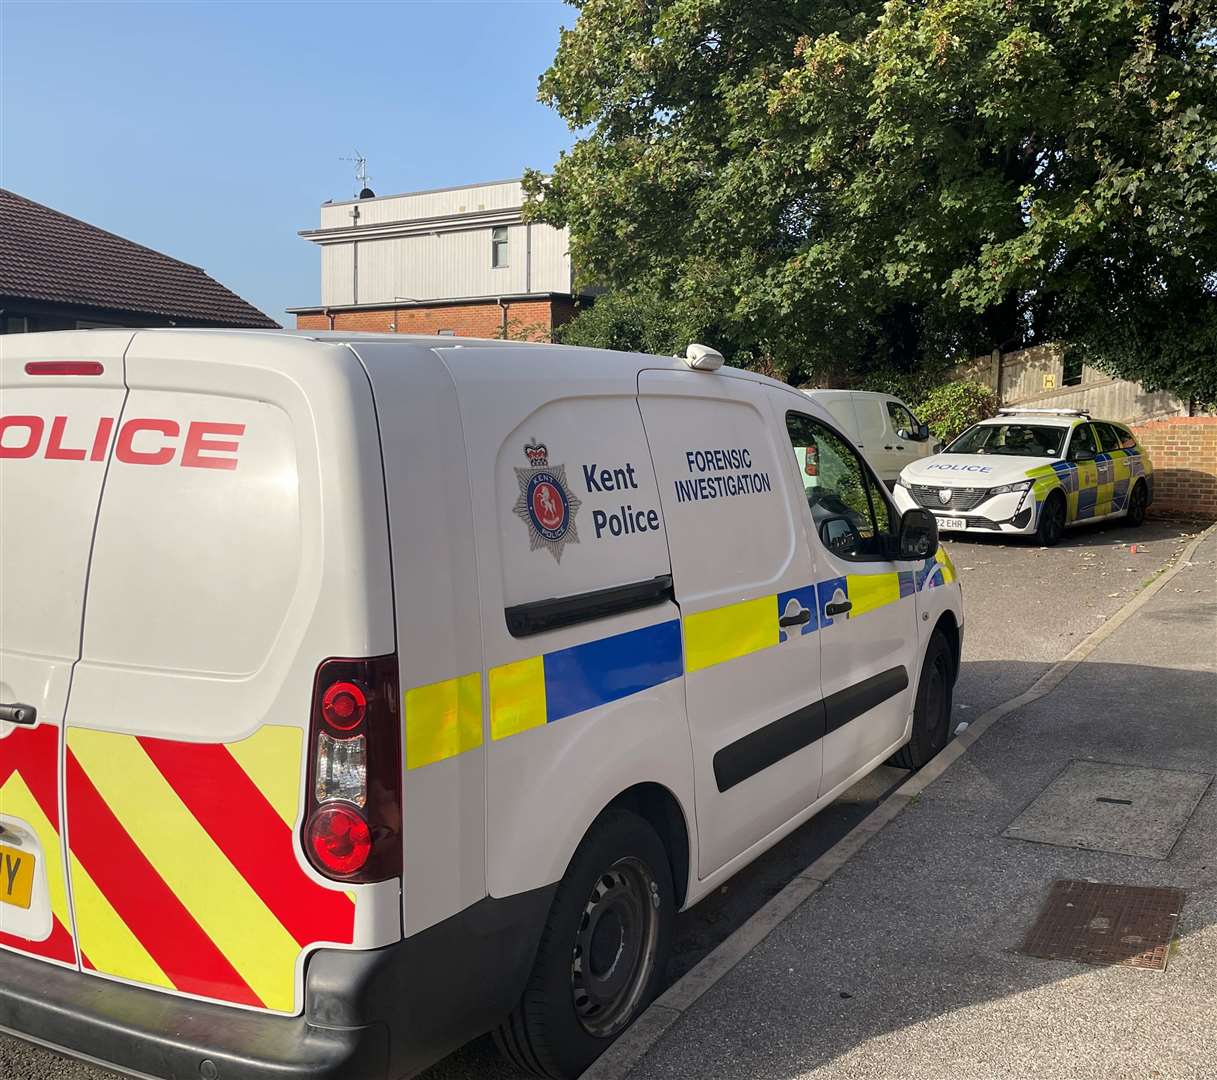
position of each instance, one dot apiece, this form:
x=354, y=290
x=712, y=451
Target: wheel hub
x=614, y=950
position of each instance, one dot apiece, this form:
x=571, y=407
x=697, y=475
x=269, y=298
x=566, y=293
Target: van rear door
x=240, y=542
x=60, y=399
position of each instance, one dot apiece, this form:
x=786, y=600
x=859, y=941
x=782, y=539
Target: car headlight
x=1006, y=489
x=902, y=482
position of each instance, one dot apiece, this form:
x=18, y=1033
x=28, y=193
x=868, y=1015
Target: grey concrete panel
x=1124, y=809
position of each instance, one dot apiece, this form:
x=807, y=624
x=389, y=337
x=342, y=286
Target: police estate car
x=1032, y=472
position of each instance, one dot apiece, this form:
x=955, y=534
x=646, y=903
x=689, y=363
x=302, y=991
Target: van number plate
x=953, y=523
x=16, y=876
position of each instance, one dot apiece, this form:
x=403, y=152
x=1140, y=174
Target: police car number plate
x=953, y=523
x=16, y=876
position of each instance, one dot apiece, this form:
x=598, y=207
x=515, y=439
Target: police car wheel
x=1137, y=502
x=602, y=954
x=1052, y=521
x=932, y=709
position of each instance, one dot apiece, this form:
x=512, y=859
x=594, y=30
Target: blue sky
x=213, y=131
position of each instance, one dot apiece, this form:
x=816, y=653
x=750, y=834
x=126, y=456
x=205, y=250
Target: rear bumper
x=376, y=1015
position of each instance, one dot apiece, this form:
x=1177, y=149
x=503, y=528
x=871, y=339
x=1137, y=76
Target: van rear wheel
x=603, y=952
x=932, y=710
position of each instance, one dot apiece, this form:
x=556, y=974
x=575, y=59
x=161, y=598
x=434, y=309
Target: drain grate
x=1093, y=923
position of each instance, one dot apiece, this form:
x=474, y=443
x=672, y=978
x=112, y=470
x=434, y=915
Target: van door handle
x=838, y=609
x=16, y=713
x=802, y=618
x=891, y=448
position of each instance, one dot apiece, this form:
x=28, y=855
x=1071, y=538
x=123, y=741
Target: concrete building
x=458, y=260
x=60, y=273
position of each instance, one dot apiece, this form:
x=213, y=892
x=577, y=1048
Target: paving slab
x=1126, y=809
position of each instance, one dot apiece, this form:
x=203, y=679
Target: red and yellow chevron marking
x=29, y=791
x=183, y=871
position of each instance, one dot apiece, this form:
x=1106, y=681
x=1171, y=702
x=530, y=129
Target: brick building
x=60, y=273
x=459, y=261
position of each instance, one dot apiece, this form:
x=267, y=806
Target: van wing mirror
x=923, y=431
x=918, y=535
x=902, y=433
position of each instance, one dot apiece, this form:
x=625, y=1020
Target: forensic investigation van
x=360, y=695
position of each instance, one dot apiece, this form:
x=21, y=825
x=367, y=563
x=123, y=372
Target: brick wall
x=532, y=319
x=1184, y=453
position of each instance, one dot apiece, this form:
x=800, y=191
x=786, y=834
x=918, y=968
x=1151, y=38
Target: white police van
x=1033, y=472
x=882, y=426
x=359, y=695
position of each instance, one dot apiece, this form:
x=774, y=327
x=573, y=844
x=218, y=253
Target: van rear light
x=353, y=828
x=339, y=841
x=64, y=367
x=343, y=706
x=342, y=770
x=812, y=464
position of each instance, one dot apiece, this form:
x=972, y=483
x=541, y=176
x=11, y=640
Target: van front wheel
x=932, y=709
x=603, y=952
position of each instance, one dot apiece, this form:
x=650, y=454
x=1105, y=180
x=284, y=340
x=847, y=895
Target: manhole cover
x=1093, y=923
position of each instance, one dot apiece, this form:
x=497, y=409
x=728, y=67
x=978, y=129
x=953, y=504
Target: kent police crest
x=546, y=504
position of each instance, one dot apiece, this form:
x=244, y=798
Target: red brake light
x=64, y=367
x=340, y=840
x=344, y=705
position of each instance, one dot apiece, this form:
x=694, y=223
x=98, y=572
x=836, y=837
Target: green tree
x=630, y=322
x=950, y=409
x=863, y=185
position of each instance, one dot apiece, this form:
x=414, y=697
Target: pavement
x=1026, y=607
x=904, y=964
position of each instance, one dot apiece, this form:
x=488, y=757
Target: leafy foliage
x=630, y=322
x=953, y=407
x=866, y=186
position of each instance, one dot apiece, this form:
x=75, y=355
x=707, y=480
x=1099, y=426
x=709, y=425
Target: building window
x=1073, y=370
x=446, y=333
x=498, y=247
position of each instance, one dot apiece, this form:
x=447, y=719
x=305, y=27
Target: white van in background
x=362, y=694
x=882, y=426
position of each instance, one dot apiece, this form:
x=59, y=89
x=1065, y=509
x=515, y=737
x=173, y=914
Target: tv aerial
x=361, y=175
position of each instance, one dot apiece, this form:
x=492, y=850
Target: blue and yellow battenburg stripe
x=444, y=719
x=1092, y=488
x=541, y=690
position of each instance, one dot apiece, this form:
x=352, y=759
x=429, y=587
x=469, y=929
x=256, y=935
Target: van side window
x=850, y=512
x=902, y=418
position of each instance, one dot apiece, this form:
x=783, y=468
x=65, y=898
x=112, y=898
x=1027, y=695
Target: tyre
x=603, y=952
x=932, y=710
x=1051, y=525
x=1137, y=502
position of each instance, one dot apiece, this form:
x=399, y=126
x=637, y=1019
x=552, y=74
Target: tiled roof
x=48, y=256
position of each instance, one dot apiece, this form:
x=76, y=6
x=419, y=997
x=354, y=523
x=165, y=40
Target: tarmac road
x=1025, y=607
